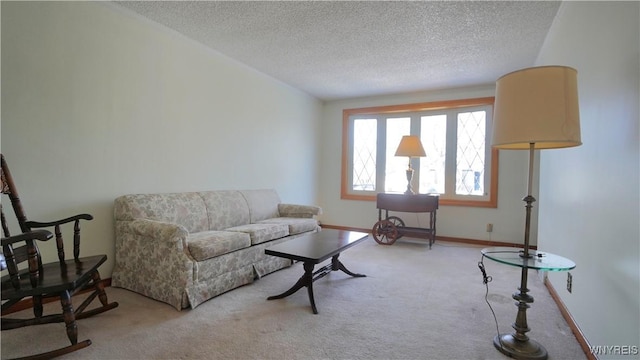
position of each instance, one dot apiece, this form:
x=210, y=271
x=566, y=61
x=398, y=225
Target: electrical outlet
x=489, y=227
x=569, y=282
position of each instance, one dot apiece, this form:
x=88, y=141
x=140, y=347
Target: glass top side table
x=518, y=345
x=538, y=260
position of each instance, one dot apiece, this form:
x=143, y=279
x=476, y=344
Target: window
x=460, y=165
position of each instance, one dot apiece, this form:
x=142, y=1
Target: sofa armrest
x=299, y=211
x=167, y=235
x=152, y=258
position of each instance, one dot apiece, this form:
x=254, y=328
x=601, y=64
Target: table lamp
x=410, y=146
x=535, y=108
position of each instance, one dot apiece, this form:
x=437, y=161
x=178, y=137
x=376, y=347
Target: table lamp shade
x=410, y=146
x=537, y=106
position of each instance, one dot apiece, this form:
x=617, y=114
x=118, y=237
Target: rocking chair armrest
x=37, y=224
x=42, y=235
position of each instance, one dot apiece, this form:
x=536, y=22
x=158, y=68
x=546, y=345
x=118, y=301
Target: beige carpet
x=415, y=303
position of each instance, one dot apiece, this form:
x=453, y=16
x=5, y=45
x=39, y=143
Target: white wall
x=97, y=102
x=589, y=206
x=453, y=221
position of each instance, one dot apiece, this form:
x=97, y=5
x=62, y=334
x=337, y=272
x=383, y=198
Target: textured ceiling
x=344, y=49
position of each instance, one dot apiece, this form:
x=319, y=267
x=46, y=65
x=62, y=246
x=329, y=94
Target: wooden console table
x=388, y=229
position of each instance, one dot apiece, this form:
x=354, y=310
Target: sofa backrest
x=201, y=211
x=263, y=204
x=225, y=208
x=186, y=209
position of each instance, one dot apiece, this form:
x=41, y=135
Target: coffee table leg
x=338, y=265
x=305, y=280
x=309, y=270
x=308, y=278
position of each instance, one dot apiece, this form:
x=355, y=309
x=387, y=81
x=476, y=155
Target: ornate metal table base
x=518, y=349
x=310, y=276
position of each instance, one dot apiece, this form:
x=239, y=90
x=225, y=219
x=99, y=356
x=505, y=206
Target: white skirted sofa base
x=186, y=248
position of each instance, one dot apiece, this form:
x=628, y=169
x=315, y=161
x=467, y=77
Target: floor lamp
x=535, y=108
x=410, y=146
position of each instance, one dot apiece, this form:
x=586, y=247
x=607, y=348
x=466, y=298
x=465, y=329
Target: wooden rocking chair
x=28, y=278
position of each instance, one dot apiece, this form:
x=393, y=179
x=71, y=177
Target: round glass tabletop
x=539, y=260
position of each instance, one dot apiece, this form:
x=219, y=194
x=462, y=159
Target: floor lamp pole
x=518, y=345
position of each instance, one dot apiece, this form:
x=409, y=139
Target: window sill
x=491, y=203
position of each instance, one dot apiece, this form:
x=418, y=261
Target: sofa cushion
x=296, y=225
x=262, y=232
x=208, y=244
x=263, y=204
x=225, y=209
x=186, y=209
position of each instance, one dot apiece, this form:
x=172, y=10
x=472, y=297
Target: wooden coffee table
x=313, y=249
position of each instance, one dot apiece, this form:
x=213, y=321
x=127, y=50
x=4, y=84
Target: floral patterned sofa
x=185, y=248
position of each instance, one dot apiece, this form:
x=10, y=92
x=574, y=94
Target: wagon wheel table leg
x=398, y=222
x=385, y=232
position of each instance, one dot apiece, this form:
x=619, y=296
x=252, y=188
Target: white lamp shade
x=411, y=146
x=537, y=106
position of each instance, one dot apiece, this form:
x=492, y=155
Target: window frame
x=346, y=194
